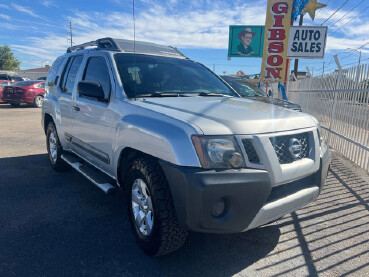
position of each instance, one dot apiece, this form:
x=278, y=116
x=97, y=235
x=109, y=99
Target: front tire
x=151, y=210
x=54, y=149
x=38, y=101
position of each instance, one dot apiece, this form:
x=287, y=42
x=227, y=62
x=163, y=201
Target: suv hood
x=275, y=101
x=229, y=115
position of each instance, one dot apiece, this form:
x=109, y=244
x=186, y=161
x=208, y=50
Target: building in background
x=34, y=73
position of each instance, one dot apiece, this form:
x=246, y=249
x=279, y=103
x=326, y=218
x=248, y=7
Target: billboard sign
x=307, y=42
x=277, y=27
x=246, y=41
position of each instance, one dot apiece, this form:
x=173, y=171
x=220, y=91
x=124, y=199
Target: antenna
x=134, y=44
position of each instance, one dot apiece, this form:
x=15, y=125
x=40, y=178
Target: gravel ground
x=54, y=224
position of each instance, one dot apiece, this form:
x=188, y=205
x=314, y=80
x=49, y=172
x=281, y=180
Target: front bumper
x=250, y=199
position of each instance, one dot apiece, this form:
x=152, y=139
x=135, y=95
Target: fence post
x=337, y=86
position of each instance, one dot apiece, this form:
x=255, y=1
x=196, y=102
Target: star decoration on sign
x=311, y=7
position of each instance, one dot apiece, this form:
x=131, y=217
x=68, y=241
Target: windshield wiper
x=203, y=93
x=159, y=94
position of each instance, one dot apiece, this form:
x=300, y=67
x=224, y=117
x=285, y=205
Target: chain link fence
x=339, y=100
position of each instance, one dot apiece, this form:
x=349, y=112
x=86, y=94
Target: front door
x=92, y=127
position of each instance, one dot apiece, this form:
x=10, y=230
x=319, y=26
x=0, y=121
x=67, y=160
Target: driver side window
x=97, y=71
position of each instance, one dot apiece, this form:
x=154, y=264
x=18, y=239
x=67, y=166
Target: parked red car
x=30, y=92
x=3, y=83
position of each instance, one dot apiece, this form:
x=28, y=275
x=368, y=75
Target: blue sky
x=36, y=30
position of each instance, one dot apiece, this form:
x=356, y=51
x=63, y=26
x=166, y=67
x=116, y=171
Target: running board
x=98, y=178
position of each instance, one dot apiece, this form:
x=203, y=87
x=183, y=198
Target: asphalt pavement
x=59, y=224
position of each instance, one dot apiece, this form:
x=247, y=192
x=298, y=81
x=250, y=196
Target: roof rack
x=102, y=43
x=130, y=46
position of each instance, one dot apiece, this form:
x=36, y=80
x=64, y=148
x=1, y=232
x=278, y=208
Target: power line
x=346, y=13
x=334, y=12
x=349, y=21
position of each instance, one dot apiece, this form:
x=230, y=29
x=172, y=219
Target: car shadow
x=56, y=223
x=8, y=106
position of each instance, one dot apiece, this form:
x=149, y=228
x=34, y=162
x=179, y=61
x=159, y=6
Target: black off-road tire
x=167, y=234
x=58, y=164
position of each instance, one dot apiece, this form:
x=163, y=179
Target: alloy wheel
x=142, y=207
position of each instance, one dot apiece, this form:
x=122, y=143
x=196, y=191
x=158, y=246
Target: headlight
x=218, y=152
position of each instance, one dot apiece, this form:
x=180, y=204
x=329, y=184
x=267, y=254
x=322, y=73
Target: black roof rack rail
x=102, y=43
x=129, y=46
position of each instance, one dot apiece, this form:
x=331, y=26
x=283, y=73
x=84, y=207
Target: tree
x=7, y=60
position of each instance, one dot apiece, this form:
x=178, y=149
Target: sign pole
x=296, y=65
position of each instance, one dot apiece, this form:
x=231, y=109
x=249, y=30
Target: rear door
x=65, y=89
x=93, y=121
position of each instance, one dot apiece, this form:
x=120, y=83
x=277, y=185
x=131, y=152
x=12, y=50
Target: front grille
x=281, y=147
x=250, y=151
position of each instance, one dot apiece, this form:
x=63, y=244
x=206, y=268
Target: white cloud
x=4, y=16
x=24, y=10
x=48, y=3
x=3, y=6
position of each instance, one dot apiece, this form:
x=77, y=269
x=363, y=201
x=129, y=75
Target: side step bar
x=93, y=175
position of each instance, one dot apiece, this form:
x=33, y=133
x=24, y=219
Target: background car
x=11, y=78
x=3, y=84
x=29, y=92
x=248, y=90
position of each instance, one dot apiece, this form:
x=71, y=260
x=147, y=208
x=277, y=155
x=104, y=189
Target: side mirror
x=91, y=89
x=270, y=93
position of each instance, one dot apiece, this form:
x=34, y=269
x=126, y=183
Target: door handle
x=76, y=108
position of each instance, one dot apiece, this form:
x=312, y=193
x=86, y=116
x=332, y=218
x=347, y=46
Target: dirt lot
x=55, y=224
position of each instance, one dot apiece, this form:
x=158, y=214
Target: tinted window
x=53, y=71
x=4, y=77
x=25, y=83
x=40, y=85
x=243, y=87
x=16, y=78
x=97, y=70
x=72, y=70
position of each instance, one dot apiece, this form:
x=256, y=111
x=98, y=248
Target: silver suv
x=187, y=150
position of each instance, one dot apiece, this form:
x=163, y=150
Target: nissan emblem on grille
x=295, y=148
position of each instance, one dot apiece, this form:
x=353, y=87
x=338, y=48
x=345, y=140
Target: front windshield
x=145, y=75
x=243, y=88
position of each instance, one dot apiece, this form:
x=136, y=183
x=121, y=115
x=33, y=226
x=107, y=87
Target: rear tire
x=54, y=149
x=164, y=234
x=38, y=101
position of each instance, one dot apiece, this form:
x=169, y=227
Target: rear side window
x=97, y=71
x=70, y=74
x=53, y=71
x=40, y=85
x=16, y=78
x=4, y=77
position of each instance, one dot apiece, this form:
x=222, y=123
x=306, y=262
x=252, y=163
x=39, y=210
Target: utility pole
x=296, y=65
x=70, y=33
x=323, y=69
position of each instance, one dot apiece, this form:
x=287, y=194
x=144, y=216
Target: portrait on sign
x=246, y=41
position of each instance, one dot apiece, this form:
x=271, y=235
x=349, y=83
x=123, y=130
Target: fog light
x=218, y=208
